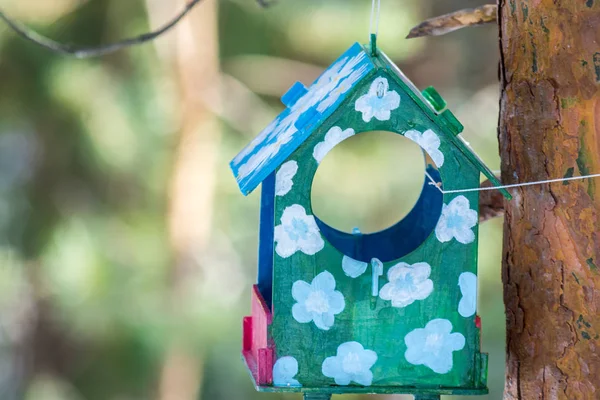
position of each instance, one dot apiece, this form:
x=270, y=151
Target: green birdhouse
x=388, y=312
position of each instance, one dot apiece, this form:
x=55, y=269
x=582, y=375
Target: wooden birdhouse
x=388, y=312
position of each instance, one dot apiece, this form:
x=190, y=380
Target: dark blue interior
x=395, y=241
x=265, y=239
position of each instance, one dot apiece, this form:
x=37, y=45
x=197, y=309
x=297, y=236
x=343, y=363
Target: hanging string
x=375, y=16
x=481, y=189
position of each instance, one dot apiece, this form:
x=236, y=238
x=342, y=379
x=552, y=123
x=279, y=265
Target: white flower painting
x=353, y=268
x=284, y=372
x=284, y=178
x=430, y=142
x=379, y=102
x=467, y=306
x=297, y=232
x=332, y=138
x=351, y=364
x=317, y=301
x=433, y=346
x=457, y=221
x=407, y=283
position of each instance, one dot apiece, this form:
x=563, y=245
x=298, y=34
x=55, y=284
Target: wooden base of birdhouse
x=422, y=393
x=315, y=396
x=419, y=393
x=321, y=396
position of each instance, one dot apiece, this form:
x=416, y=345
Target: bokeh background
x=127, y=252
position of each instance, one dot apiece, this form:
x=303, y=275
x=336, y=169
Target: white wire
x=375, y=16
x=378, y=17
x=481, y=189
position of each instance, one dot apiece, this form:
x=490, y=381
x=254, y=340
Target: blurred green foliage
x=87, y=309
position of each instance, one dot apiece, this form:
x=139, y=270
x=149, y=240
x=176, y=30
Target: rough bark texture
x=550, y=127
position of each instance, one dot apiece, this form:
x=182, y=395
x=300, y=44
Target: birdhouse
x=389, y=312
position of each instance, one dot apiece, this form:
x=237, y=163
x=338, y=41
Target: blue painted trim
x=293, y=94
x=265, y=238
x=398, y=240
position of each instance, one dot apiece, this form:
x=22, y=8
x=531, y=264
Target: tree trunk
x=550, y=127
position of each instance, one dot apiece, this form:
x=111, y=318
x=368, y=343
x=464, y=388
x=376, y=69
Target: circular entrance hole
x=370, y=200
x=369, y=181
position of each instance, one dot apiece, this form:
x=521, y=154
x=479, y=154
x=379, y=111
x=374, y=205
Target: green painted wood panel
x=366, y=319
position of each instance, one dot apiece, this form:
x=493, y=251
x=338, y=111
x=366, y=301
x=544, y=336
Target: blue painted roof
x=305, y=108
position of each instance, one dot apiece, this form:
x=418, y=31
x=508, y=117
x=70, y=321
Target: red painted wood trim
x=261, y=319
x=247, y=334
x=264, y=309
x=265, y=366
x=257, y=346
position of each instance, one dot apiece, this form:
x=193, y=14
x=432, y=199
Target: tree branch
x=89, y=52
x=457, y=20
x=265, y=3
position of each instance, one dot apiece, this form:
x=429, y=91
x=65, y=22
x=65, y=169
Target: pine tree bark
x=550, y=127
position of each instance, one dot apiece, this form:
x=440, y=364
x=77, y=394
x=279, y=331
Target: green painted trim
x=474, y=158
x=435, y=99
x=483, y=375
x=317, y=396
x=373, y=45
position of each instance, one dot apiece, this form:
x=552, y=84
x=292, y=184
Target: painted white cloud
x=332, y=138
x=257, y=160
x=430, y=142
x=407, y=283
x=317, y=301
x=297, y=232
x=279, y=132
x=351, y=364
x=379, y=102
x=457, y=221
x=433, y=346
x=284, y=371
x=467, y=281
x=284, y=178
x=338, y=80
x=249, y=149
